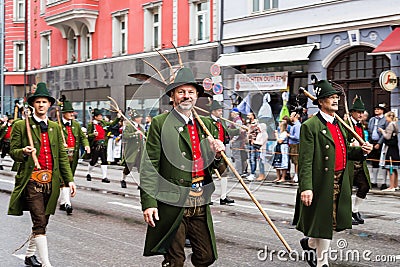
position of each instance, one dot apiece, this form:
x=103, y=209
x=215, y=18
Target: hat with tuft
x=41, y=91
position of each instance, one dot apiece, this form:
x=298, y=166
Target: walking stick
x=29, y=134
x=222, y=118
x=229, y=163
x=345, y=125
x=117, y=109
x=59, y=124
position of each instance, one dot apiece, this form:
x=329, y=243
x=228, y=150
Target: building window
x=45, y=49
x=72, y=46
x=200, y=21
x=152, y=26
x=19, y=10
x=86, y=44
x=19, y=58
x=261, y=5
x=120, y=33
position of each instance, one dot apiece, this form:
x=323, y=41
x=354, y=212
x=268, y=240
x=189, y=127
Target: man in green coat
x=74, y=139
x=37, y=183
x=97, y=131
x=324, y=202
x=133, y=137
x=221, y=132
x=176, y=179
x=358, y=170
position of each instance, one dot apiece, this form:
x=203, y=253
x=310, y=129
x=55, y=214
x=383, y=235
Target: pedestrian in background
x=238, y=143
x=391, y=149
x=252, y=124
x=260, y=145
x=5, y=137
x=37, y=190
x=281, y=156
x=294, y=143
x=376, y=139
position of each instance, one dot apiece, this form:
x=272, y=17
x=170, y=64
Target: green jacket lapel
x=35, y=130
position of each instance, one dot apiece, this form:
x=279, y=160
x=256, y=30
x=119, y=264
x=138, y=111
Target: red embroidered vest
x=45, y=158
x=340, y=146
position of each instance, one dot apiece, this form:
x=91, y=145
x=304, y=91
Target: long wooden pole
x=229, y=163
x=59, y=124
x=222, y=118
x=29, y=134
x=352, y=132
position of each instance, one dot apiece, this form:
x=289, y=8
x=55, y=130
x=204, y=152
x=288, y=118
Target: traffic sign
x=218, y=88
x=207, y=84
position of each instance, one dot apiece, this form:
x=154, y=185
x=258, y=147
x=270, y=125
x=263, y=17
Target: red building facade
x=85, y=49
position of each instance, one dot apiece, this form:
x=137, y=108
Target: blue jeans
x=253, y=156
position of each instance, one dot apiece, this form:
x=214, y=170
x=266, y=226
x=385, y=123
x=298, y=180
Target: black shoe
x=187, y=243
x=226, y=201
x=123, y=184
x=32, y=261
x=354, y=222
x=311, y=256
x=88, y=177
x=68, y=209
x=357, y=216
x=62, y=207
x=105, y=180
x=383, y=186
x=374, y=185
x=1, y=167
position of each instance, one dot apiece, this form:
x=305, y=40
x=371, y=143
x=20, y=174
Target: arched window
x=86, y=44
x=358, y=74
x=72, y=47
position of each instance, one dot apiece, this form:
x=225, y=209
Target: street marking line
x=126, y=205
x=7, y=181
x=19, y=256
x=272, y=210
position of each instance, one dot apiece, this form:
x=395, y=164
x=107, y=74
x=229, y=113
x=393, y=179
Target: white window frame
x=86, y=44
x=120, y=34
x=150, y=9
x=261, y=5
x=194, y=21
x=19, y=10
x=45, y=49
x=18, y=53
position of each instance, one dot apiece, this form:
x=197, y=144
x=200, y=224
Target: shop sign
x=261, y=81
x=388, y=80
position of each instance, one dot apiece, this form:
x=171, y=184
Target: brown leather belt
x=42, y=176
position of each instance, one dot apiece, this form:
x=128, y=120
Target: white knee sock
x=322, y=251
x=312, y=242
x=224, y=187
x=90, y=169
x=375, y=172
x=30, y=251
x=41, y=243
x=104, y=170
x=357, y=202
x=65, y=196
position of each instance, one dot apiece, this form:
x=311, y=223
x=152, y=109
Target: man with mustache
x=176, y=179
x=324, y=194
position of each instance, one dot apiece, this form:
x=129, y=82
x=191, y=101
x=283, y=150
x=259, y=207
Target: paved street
x=107, y=228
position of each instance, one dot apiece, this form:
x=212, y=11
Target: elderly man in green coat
x=176, y=179
x=74, y=139
x=37, y=183
x=324, y=202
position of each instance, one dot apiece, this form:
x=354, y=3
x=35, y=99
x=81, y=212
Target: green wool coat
x=133, y=145
x=80, y=140
x=61, y=169
x=166, y=177
x=316, y=173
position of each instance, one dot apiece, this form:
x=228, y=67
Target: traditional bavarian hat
x=324, y=89
x=41, y=91
x=358, y=105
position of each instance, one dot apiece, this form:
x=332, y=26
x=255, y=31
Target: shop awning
x=391, y=45
x=272, y=55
